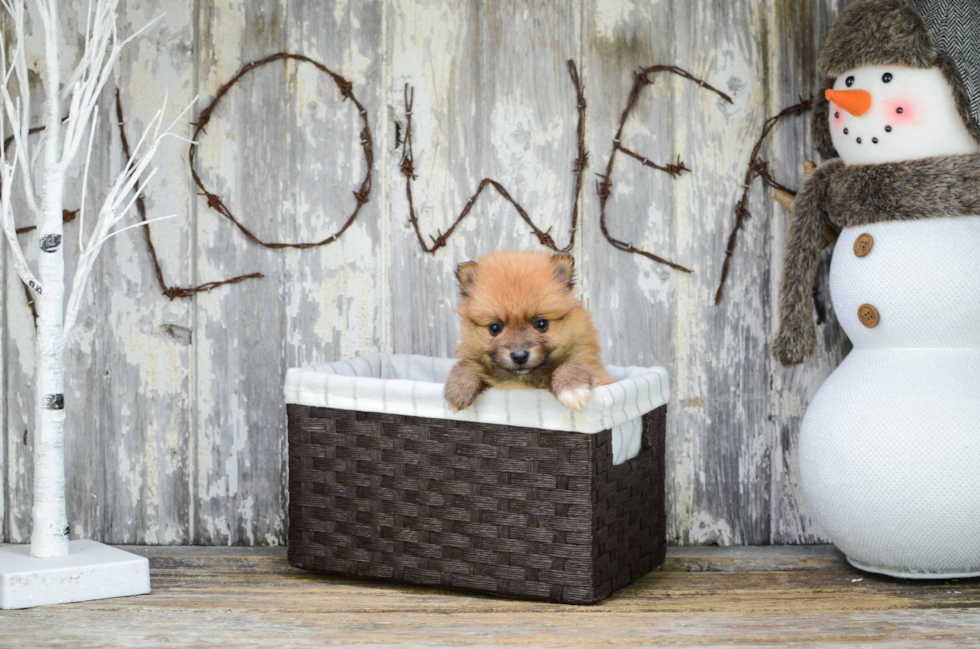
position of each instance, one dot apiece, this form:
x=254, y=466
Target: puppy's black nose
x=520, y=356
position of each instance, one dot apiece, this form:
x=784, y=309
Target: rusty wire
x=757, y=168
x=544, y=236
x=173, y=292
x=170, y=291
x=604, y=186
x=367, y=143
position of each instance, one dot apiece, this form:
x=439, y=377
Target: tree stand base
x=90, y=571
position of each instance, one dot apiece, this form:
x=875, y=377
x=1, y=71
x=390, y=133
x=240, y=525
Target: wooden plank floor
x=756, y=596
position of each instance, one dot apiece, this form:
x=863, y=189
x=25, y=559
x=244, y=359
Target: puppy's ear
x=465, y=275
x=564, y=269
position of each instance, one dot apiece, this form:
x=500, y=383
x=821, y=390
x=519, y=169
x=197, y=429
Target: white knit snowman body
x=890, y=444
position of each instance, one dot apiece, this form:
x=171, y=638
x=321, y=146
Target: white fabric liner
x=412, y=385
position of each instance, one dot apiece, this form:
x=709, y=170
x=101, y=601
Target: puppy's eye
x=541, y=324
x=849, y=81
x=495, y=328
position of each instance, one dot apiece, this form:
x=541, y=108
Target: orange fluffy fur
x=522, y=301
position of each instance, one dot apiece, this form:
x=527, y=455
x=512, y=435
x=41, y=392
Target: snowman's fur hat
x=912, y=33
x=876, y=32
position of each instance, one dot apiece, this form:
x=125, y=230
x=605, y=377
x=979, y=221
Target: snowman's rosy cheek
x=900, y=111
x=837, y=116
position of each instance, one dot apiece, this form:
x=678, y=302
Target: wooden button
x=863, y=245
x=868, y=315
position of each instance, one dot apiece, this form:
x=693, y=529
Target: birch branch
x=7, y=172
x=118, y=203
x=102, y=50
x=18, y=112
x=88, y=159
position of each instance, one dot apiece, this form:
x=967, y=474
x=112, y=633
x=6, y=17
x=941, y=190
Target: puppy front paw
x=574, y=398
x=463, y=386
x=571, y=384
x=459, y=400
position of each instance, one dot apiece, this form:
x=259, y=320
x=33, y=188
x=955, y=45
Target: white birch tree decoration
x=92, y=570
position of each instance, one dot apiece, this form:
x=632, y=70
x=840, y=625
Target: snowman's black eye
x=849, y=81
x=886, y=77
x=495, y=328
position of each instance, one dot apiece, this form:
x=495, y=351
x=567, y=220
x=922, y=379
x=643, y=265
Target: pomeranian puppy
x=521, y=327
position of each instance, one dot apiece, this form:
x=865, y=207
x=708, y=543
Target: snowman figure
x=890, y=445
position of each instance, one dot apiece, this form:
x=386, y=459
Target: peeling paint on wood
x=481, y=110
x=176, y=432
x=794, y=75
x=5, y=436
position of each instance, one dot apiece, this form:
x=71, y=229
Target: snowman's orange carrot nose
x=856, y=102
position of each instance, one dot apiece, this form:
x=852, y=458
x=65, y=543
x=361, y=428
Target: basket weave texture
x=516, y=512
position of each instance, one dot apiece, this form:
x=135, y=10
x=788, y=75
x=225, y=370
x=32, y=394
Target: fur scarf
x=849, y=196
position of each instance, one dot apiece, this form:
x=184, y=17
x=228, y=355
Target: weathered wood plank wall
x=176, y=433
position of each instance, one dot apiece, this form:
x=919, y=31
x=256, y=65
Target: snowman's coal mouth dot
x=874, y=140
x=845, y=131
x=859, y=140
x=888, y=129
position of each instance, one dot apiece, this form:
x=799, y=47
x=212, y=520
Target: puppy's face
x=515, y=309
x=517, y=344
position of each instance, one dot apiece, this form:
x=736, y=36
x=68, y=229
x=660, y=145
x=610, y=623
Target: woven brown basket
x=517, y=512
